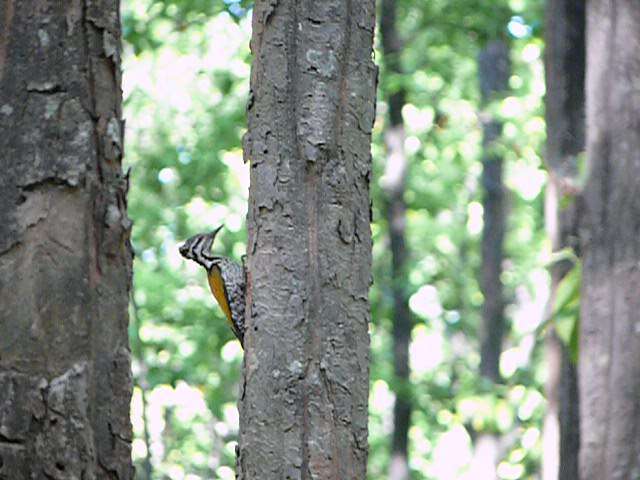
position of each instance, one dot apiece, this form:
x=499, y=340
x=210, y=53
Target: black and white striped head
x=198, y=248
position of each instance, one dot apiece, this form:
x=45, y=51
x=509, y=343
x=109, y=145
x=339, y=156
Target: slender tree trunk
x=146, y=463
x=137, y=350
x=493, y=71
x=564, y=105
x=65, y=259
x=303, y=409
x=395, y=209
x=569, y=418
x=609, y=369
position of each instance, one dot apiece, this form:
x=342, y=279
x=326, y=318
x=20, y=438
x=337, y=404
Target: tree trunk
x=609, y=369
x=494, y=71
x=393, y=184
x=564, y=107
x=569, y=417
x=138, y=353
x=65, y=259
x=561, y=424
x=304, y=401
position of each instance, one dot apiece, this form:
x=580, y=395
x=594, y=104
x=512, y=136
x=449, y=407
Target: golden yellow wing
x=217, y=288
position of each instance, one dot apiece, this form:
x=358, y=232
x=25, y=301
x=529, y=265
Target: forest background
x=186, y=79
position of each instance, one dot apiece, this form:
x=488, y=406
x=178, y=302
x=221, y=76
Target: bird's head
x=198, y=248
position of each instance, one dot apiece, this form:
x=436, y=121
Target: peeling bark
x=303, y=412
x=65, y=259
x=564, y=112
x=609, y=367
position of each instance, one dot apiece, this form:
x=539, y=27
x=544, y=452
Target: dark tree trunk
x=561, y=424
x=303, y=412
x=494, y=70
x=393, y=184
x=564, y=105
x=141, y=381
x=569, y=418
x=609, y=367
x=65, y=259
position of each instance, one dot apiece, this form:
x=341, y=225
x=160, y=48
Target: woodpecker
x=227, y=279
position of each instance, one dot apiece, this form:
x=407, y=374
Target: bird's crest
x=198, y=248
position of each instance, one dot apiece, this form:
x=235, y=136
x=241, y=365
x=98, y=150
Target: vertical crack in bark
x=338, y=153
x=293, y=70
x=344, y=74
x=311, y=187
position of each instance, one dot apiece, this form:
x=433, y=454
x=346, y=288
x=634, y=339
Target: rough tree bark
x=564, y=107
x=303, y=408
x=493, y=71
x=609, y=366
x=65, y=260
x=393, y=183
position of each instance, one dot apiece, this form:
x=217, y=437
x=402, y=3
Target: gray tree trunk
x=393, y=183
x=141, y=381
x=65, y=259
x=609, y=367
x=564, y=107
x=303, y=408
x=494, y=68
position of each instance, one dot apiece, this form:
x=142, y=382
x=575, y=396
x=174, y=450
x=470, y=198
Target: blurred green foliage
x=186, y=71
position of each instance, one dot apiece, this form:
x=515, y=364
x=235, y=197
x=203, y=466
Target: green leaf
x=574, y=341
x=568, y=292
x=566, y=312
